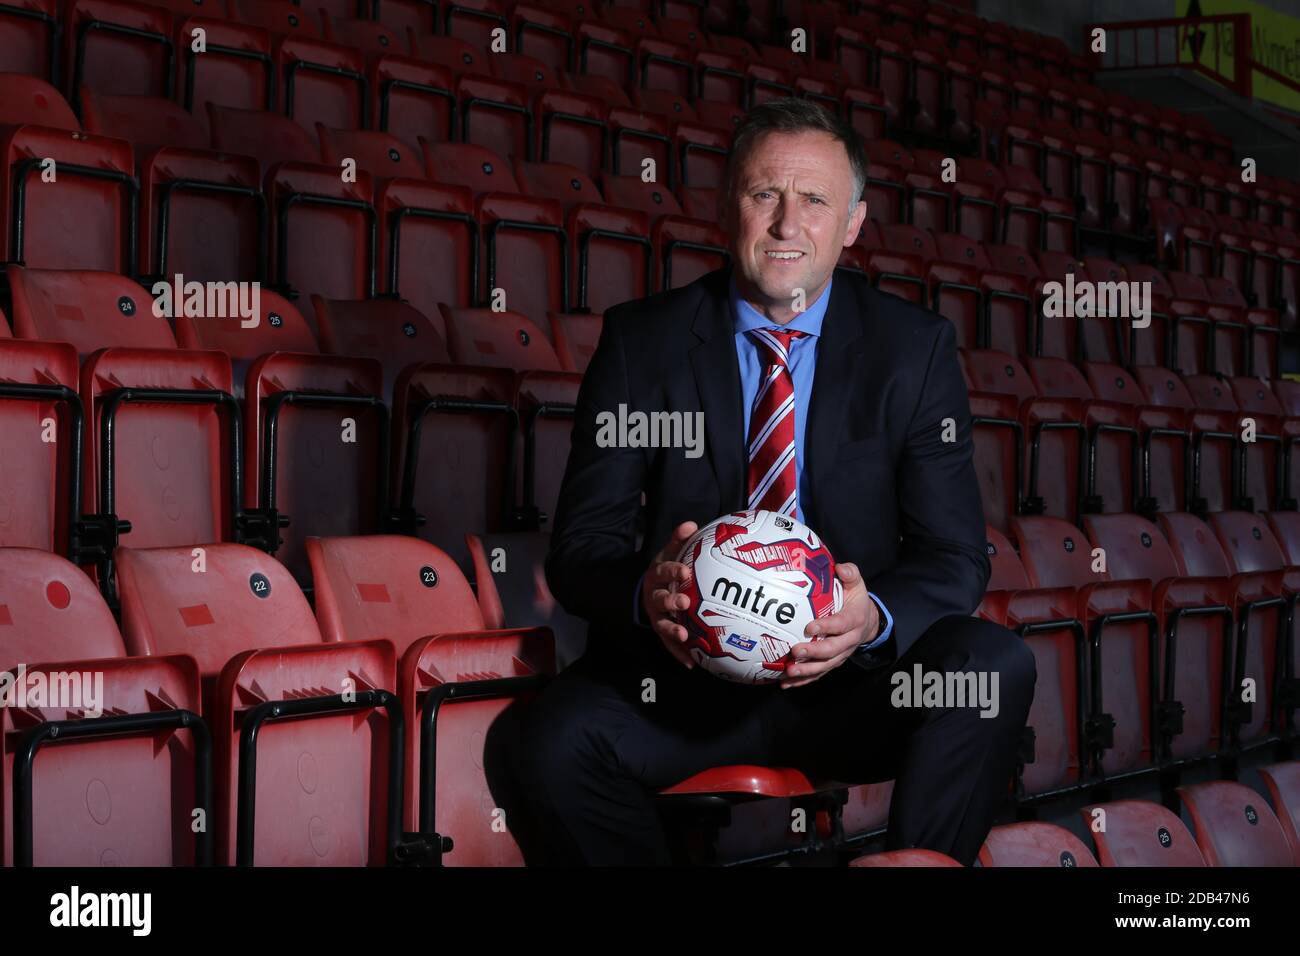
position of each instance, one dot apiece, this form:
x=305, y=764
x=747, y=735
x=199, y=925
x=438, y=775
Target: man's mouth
x=785, y=255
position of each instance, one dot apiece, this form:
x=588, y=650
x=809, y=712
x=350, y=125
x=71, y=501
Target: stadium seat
x=120, y=785
x=393, y=333
x=1034, y=844
x=118, y=46
x=546, y=402
x=146, y=122
x=1213, y=435
x=321, y=82
x=575, y=336
x=29, y=38
x=1138, y=833
x=413, y=99
x=316, y=450
x=235, y=69
x=497, y=339
x=1234, y=825
x=40, y=484
x=454, y=430
x=410, y=593
x=328, y=776
x=1282, y=780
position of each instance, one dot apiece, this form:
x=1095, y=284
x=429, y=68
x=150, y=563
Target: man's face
x=789, y=217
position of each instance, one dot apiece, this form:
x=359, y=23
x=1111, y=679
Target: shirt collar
x=809, y=321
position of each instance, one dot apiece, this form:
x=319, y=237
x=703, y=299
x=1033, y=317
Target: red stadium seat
x=546, y=403
x=103, y=795
x=925, y=858
x=413, y=100
x=1138, y=833
x=393, y=333
x=497, y=339
x=236, y=68
x=408, y=592
x=146, y=122
x=38, y=402
x=1282, y=781
x=321, y=83
x=118, y=46
x=575, y=336
x=29, y=38
x=1234, y=826
x=1034, y=844
x=327, y=790
x=471, y=410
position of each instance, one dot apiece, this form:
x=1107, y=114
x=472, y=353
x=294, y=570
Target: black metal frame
x=1102, y=724
x=1237, y=712
x=617, y=138
x=294, y=198
x=21, y=171
x=388, y=86
x=684, y=154
x=1147, y=506
x=525, y=25
x=674, y=244
x=110, y=726
x=60, y=395
x=549, y=118
x=198, y=185
x=191, y=63
x=1085, y=729
x=1195, y=503
x=293, y=66
x=1033, y=502
x=434, y=698
x=270, y=426
x=51, y=24
x=251, y=723
x=519, y=109
x=407, y=518
x=79, y=57
x=415, y=212
x=1170, y=715
x=532, y=516
x=1093, y=502
x=497, y=225
x=584, y=247
x=1017, y=457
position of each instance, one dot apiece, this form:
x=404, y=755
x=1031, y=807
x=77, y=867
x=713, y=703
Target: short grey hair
x=793, y=114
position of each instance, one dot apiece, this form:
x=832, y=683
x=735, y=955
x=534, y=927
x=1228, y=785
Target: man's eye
x=816, y=199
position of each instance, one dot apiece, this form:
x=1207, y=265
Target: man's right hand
x=658, y=603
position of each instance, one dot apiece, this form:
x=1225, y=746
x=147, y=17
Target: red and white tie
x=772, y=484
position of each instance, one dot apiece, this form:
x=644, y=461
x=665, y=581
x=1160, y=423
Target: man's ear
x=856, y=219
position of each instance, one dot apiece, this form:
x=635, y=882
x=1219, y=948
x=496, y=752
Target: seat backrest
x=1234, y=825
x=394, y=333
x=391, y=587
x=1034, y=844
x=1057, y=378
x=50, y=611
x=1247, y=541
x=498, y=339
x=1135, y=548
x=997, y=373
x=210, y=602
x=26, y=99
x=1054, y=552
x=467, y=164
x=1195, y=547
x=1282, y=780
x=269, y=137
x=1008, y=573
x=631, y=192
x=146, y=122
x=382, y=155
x=89, y=310
x=559, y=181
x=575, y=336
x=1139, y=833
x=926, y=858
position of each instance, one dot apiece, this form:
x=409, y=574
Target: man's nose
x=785, y=221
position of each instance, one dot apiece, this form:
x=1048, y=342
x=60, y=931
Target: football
x=757, y=578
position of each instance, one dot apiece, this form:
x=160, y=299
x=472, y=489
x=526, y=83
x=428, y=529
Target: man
x=878, y=463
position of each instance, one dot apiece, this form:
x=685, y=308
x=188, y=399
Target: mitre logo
x=753, y=600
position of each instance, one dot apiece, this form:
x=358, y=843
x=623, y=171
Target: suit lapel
x=839, y=375
x=717, y=376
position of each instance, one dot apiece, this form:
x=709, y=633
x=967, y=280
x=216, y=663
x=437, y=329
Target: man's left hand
x=838, y=635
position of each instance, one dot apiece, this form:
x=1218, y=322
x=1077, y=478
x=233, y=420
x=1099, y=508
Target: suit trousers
x=596, y=745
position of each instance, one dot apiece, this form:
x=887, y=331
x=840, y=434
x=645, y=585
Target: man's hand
x=658, y=603
x=857, y=622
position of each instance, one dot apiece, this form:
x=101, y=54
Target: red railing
x=1155, y=44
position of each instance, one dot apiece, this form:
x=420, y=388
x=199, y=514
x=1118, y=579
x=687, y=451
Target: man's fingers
x=669, y=630
x=680, y=652
x=848, y=573
x=668, y=572
x=681, y=534
x=833, y=624
x=805, y=672
x=822, y=649
x=667, y=602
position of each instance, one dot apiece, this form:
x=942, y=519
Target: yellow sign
x=1275, y=43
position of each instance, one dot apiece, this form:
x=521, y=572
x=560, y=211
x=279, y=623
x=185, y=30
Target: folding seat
x=165, y=470
x=572, y=127
x=1007, y=309
x=371, y=38
x=926, y=858
x=132, y=759
x=474, y=20
x=1267, y=658
x=605, y=50
x=665, y=65
x=450, y=53
x=470, y=410
x=83, y=219
x=888, y=164
x=1258, y=600
x=497, y=340
x=1246, y=338
x=527, y=232
x=328, y=780
x=39, y=405
x=316, y=450
x=321, y=82
x=575, y=336
x=1104, y=338
x=543, y=33
x=1122, y=664
x=1265, y=265
x=393, y=333
x=636, y=136
x=1052, y=744
x=280, y=328
x=409, y=593
x=1161, y=341
x=1140, y=833
x=1282, y=780
x=952, y=287
x=684, y=249
x=701, y=154
x=118, y=46
x=896, y=272
x=1234, y=258
x=929, y=198
x=1034, y=844
x=975, y=200
x=496, y=115
x=1200, y=328
x=1261, y=472
x=546, y=401
x=269, y=138
x=1195, y=620
x=1032, y=219
x=146, y=122
x=1212, y=420
x=280, y=17
x=864, y=108
x=418, y=221
x=29, y=38
x=1234, y=825
x=719, y=77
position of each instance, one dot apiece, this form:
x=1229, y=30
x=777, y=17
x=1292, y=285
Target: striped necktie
x=772, y=484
